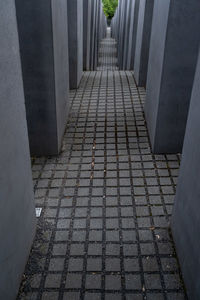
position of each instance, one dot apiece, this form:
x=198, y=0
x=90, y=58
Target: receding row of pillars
x=45, y=46
x=163, y=52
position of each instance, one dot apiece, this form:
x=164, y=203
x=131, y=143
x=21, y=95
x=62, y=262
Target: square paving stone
x=95, y=235
x=150, y=264
x=35, y=280
x=80, y=223
x=144, y=222
x=81, y=212
x=63, y=224
x=113, y=282
x=94, y=264
x=77, y=249
x=134, y=297
x=129, y=235
x=75, y=264
x=126, y=212
x=56, y=264
x=113, y=249
x=126, y=200
x=111, y=201
x=96, y=201
x=73, y=281
x=50, y=296
x=83, y=192
x=113, y=296
x=71, y=296
x=145, y=235
x=128, y=223
x=79, y=236
x=66, y=202
x=96, y=212
x=53, y=281
x=176, y=296
x=95, y=249
x=96, y=223
x=59, y=249
x=112, y=264
x=169, y=264
x=156, y=296
x=133, y=282
x=93, y=281
x=147, y=248
x=152, y=281
x=111, y=212
x=97, y=191
x=172, y=281
x=112, y=236
x=131, y=265
x=64, y=213
x=81, y=202
x=61, y=236
x=130, y=250
x=92, y=296
x=112, y=223
x=32, y=296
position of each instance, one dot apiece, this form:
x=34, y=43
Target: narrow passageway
x=106, y=200
x=108, y=53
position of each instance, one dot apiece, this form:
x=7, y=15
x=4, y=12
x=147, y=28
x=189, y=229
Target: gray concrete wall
x=97, y=24
x=122, y=33
x=86, y=34
x=156, y=57
x=75, y=29
x=173, y=56
x=130, y=33
x=61, y=65
x=92, y=40
x=185, y=220
x=42, y=29
x=17, y=212
x=133, y=45
x=143, y=41
x=126, y=35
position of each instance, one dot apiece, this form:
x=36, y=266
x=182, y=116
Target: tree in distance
x=109, y=7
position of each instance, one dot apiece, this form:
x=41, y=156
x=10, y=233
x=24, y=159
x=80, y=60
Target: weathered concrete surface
x=172, y=60
x=43, y=38
x=96, y=40
x=143, y=41
x=126, y=33
x=86, y=34
x=185, y=221
x=131, y=54
x=75, y=29
x=122, y=28
x=17, y=213
x=92, y=39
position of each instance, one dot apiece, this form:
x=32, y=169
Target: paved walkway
x=108, y=54
x=106, y=202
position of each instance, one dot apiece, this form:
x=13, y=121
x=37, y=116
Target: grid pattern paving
x=106, y=203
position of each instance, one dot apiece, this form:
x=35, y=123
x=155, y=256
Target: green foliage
x=109, y=7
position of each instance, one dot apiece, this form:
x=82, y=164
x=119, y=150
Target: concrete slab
x=43, y=39
x=143, y=41
x=75, y=30
x=185, y=220
x=172, y=61
x=86, y=33
x=17, y=212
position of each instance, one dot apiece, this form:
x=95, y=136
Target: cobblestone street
x=106, y=201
